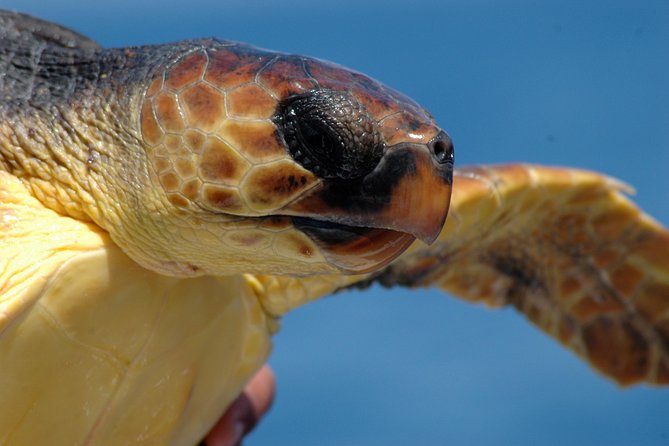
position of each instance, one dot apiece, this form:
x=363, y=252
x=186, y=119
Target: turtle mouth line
x=329, y=231
x=354, y=249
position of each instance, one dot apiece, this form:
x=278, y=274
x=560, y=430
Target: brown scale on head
x=237, y=131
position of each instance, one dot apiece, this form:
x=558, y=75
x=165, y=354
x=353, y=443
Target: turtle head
x=286, y=164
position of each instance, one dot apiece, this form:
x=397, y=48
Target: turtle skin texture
x=161, y=208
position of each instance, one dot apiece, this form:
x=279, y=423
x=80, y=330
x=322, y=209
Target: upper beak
x=409, y=191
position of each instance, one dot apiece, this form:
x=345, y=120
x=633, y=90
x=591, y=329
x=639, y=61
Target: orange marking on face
x=194, y=140
x=170, y=181
x=250, y=101
x=258, y=141
x=204, y=106
x=271, y=186
x=191, y=189
x=291, y=244
x=186, y=71
x=177, y=200
x=306, y=251
x=155, y=86
x=286, y=76
x=175, y=145
x=167, y=112
x=222, y=197
x=229, y=69
x=185, y=167
x=405, y=127
x=220, y=163
x=161, y=164
x=151, y=131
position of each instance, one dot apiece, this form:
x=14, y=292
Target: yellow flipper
x=566, y=248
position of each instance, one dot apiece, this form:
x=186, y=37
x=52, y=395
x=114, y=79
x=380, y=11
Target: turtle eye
x=330, y=134
x=321, y=142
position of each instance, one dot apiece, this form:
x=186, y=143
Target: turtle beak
x=415, y=189
x=407, y=195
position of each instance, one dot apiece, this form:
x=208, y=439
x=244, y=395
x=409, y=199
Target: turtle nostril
x=442, y=148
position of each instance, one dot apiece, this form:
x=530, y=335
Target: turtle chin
x=354, y=249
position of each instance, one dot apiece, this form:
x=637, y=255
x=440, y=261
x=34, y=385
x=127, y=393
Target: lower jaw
x=353, y=249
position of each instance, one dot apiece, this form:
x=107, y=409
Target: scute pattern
x=207, y=120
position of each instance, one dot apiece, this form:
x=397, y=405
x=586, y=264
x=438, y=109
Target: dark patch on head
x=375, y=191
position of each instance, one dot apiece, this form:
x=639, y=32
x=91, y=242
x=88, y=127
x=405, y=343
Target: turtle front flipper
x=566, y=248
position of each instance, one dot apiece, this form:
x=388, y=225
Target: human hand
x=245, y=412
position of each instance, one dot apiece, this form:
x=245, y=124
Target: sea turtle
x=161, y=207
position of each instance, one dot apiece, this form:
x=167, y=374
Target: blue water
x=571, y=83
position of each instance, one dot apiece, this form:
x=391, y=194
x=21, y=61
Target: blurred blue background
x=580, y=83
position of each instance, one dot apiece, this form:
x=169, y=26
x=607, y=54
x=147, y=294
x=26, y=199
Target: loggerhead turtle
x=161, y=207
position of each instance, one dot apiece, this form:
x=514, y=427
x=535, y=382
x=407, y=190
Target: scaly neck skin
x=55, y=130
x=66, y=153
x=69, y=130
